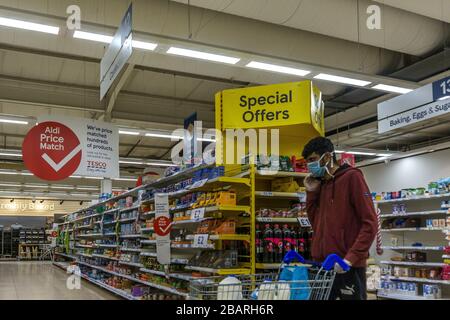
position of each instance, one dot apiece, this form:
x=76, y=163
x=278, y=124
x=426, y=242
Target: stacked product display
x=415, y=219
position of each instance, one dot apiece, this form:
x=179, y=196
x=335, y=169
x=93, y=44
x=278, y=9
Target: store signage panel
x=162, y=226
x=118, y=53
x=59, y=147
x=423, y=113
x=419, y=105
x=29, y=208
x=267, y=106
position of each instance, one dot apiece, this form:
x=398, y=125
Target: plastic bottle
x=259, y=244
x=268, y=244
x=294, y=240
x=287, y=241
x=278, y=243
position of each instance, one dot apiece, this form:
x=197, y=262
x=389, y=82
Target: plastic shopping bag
x=298, y=279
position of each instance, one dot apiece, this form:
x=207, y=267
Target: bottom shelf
x=118, y=292
x=397, y=296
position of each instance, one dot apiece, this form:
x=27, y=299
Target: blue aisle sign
x=441, y=88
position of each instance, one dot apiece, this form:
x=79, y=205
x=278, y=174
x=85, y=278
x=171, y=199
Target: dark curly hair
x=319, y=145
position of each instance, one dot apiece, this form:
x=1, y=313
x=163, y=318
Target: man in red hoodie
x=341, y=212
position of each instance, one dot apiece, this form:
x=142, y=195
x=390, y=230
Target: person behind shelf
x=342, y=215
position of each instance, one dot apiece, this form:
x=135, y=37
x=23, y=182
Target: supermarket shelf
x=127, y=220
x=135, y=207
x=413, y=248
x=446, y=256
x=85, y=246
x=118, y=292
x=210, y=184
x=245, y=209
x=131, y=236
x=191, y=247
x=412, y=229
x=147, y=229
x=106, y=245
x=83, y=255
x=133, y=264
x=111, y=211
x=276, y=220
x=129, y=249
x=104, y=257
x=231, y=237
x=179, y=276
x=82, y=227
x=149, y=213
x=61, y=265
x=280, y=174
x=412, y=279
x=148, y=254
x=161, y=287
x=414, y=214
x=182, y=222
x=65, y=255
x=397, y=296
x=268, y=266
x=281, y=195
x=415, y=264
x=110, y=222
x=424, y=197
x=148, y=241
x=220, y=272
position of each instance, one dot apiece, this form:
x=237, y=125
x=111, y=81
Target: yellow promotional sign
x=268, y=106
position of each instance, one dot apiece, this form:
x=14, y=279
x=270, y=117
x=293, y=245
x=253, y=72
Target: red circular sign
x=162, y=226
x=51, y=151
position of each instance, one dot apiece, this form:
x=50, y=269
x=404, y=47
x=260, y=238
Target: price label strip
x=304, y=222
x=200, y=241
x=198, y=214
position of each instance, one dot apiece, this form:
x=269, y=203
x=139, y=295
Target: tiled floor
x=43, y=281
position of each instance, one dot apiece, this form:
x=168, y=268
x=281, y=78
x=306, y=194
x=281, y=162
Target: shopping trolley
x=304, y=280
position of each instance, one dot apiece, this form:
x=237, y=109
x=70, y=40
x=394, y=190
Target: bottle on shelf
x=259, y=244
x=278, y=243
x=287, y=240
x=294, y=239
x=268, y=244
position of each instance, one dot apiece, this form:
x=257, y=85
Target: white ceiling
x=47, y=74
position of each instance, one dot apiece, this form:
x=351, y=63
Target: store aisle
x=43, y=281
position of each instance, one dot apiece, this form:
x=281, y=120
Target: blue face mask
x=316, y=170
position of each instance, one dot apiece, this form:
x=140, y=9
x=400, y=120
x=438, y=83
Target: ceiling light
x=87, y=188
x=207, y=140
x=275, y=68
x=13, y=121
x=345, y=80
x=75, y=177
x=160, y=135
x=202, y=55
x=131, y=162
x=61, y=187
x=18, y=155
x=443, y=98
x=156, y=164
x=130, y=133
x=384, y=87
x=26, y=174
x=144, y=45
x=10, y=185
x=92, y=36
x=35, y=186
x=19, y=24
x=9, y=173
x=339, y=151
x=384, y=155
x=359, y=153
x=94, y=178
x=126, y=179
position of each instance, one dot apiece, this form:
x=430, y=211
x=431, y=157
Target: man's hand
x=311, y=184
x=338, y=269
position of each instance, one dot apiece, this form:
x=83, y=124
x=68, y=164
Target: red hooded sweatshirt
x=343, y=217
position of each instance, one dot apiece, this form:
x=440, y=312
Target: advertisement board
x=58, y=147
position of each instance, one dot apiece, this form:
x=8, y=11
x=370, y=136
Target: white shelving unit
x=398, y=242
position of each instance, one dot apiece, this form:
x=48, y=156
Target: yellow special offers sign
x=270, y=106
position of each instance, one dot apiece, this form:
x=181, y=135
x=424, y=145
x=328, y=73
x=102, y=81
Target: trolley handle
x=327, y=265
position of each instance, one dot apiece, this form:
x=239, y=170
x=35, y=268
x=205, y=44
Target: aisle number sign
x=272, y=106
x=59, y=147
